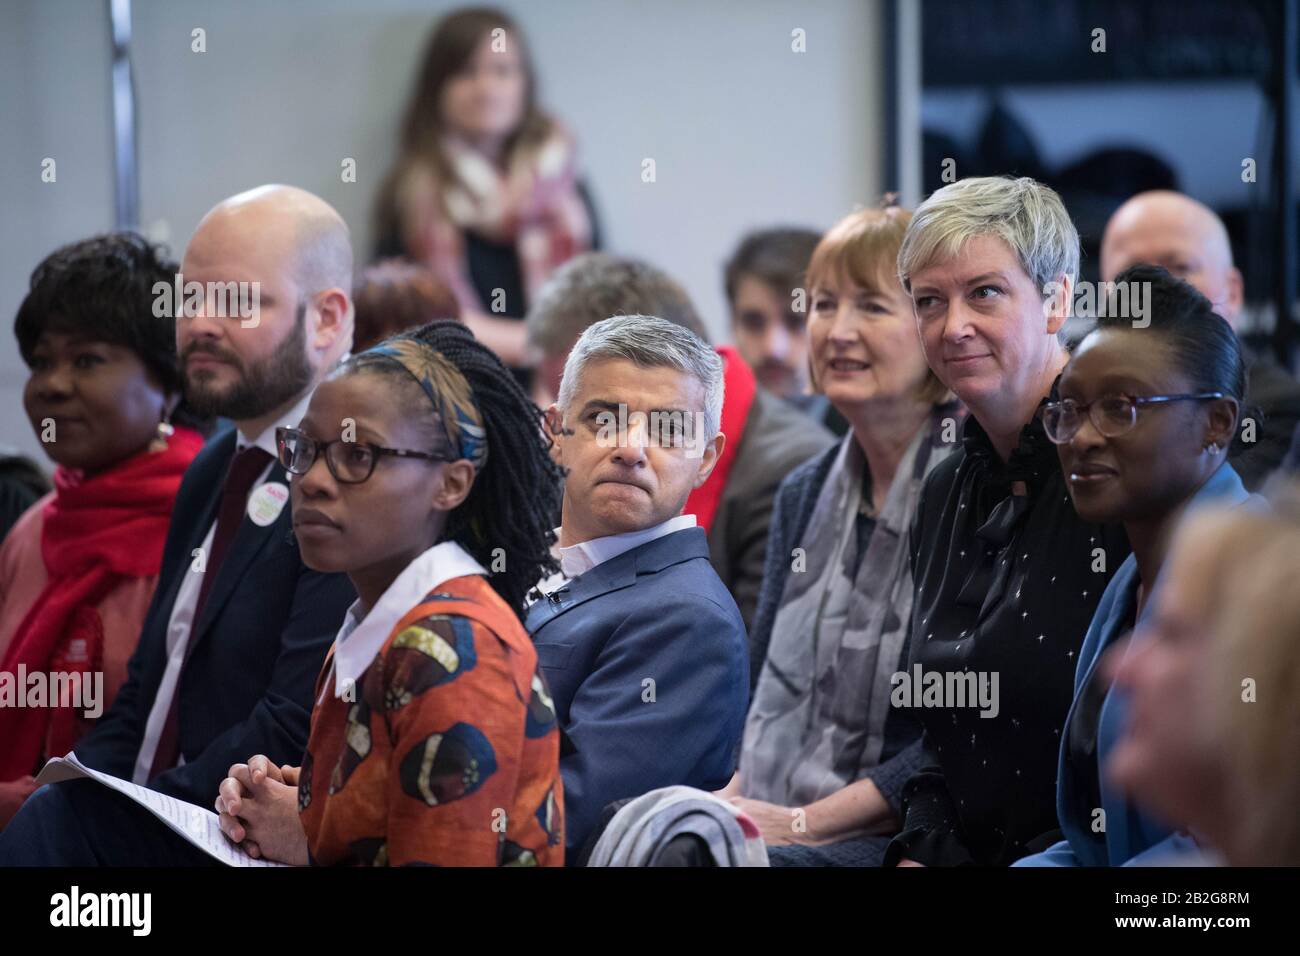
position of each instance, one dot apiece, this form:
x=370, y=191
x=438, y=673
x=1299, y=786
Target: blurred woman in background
x=394, y=295
x=485, y=189
x=78, y=570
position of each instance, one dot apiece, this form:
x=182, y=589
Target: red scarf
x=740, y=385
x=98, y=532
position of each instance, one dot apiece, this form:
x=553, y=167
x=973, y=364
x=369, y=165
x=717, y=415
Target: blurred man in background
x=392, y=296
x=764, y=279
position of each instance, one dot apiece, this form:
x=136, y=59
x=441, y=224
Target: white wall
x=54, y=62
x=744, y=132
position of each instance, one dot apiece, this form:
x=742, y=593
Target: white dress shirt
x=582, y=557
x=187, y=596
x=361, y=636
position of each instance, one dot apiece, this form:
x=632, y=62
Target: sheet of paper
x=197, y=825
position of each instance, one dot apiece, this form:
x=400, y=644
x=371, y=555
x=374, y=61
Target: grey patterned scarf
x=818, y=717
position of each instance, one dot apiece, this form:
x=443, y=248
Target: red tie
x=244, y=469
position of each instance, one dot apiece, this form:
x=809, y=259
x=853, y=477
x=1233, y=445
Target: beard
x=267, y=384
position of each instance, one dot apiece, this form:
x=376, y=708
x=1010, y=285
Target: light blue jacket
x=1131, y=838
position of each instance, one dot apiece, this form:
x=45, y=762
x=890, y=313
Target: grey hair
x=1026, y=215
x=648, y=342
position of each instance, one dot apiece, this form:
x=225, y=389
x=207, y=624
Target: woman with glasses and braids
x=1142, y=423
x=421, y=470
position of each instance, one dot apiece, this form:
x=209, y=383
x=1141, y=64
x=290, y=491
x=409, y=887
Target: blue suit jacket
x=247, y=686
x=1130, y=836
x=647, y=660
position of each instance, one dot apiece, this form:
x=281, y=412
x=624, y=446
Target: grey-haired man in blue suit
x=642, y=645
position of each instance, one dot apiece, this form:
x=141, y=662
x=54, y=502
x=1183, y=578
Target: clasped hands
x=257, y=805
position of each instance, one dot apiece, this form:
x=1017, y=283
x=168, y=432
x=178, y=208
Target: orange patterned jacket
x=448, y=756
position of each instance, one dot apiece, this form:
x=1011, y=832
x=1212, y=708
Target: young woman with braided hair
x=419, y=466
x=515, y=506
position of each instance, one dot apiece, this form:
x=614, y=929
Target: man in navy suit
x=643, y=648
x=239, y=627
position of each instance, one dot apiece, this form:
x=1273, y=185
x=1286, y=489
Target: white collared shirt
x=360, y=638
x=187, y=597
x=582, y=557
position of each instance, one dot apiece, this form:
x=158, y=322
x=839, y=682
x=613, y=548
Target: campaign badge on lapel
x=266, y=502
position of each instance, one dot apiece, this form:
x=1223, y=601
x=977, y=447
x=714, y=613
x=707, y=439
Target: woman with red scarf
x=78, y=570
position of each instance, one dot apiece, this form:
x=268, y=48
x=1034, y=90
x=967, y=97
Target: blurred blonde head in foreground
x=1213, y=742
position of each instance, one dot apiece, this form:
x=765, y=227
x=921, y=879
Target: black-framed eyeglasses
x=1112, y=415
x=350, y=462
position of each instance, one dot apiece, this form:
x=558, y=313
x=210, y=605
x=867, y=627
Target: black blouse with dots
x=1007, y=579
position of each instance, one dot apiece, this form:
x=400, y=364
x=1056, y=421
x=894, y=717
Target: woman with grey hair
x=1007, y=575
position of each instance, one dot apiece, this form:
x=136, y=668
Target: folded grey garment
x=639, y=833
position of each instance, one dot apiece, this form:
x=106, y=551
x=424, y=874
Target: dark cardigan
x=791, y=511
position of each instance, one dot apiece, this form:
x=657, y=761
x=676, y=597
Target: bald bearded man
x=1169, y=229
x=239, y=627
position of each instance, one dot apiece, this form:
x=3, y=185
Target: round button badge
x=266, y=502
